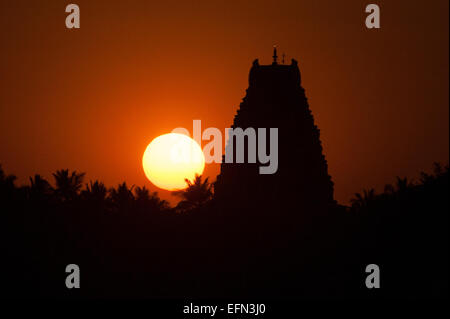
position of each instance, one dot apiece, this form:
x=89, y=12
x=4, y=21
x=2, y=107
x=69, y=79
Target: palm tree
x=142, y=194
x=195, y=195
x=7, y=187
x=6, y=179
x=403, y=185
x=122, y=197
x=68, y=185
x=147, y=200
x=40, y=189
x=362, y=201
x=95, y=192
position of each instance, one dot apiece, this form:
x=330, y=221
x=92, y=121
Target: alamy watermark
x=257, y=150
x=73, y=279
x=373, y=279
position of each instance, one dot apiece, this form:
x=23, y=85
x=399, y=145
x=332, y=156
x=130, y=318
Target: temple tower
x=276, y=99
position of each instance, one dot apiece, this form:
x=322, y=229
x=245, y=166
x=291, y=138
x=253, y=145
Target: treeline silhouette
x=130, y=243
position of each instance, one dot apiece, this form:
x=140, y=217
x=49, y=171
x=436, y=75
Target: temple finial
x=275, y=57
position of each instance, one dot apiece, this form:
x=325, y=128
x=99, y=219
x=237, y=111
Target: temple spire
x=275, y=56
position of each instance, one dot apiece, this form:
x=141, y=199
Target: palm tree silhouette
x=6, y=180
x=362, y=201
x=195, y=195
x=148, y=200
x=402, y=184
x=438, y=171
x=122, y=197
x=95, y=192
x=67, y=185
x=40, y=189
x=7, y=186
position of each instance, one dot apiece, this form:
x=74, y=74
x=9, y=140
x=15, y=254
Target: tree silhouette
x=40, y=189
x=361, y=201
x=438, y=171
x=122, y=197
x=402, y=185
x=67, y=185
x=6, y=181
x=145, y=200
x=139, y=240
x=95, y=192
x=195, y=195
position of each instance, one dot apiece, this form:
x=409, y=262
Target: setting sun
x=170, y=158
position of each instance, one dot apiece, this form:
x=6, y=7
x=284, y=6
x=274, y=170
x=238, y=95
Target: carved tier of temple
x=276, y=99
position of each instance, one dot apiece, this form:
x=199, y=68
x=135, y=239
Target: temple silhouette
x=276, y=99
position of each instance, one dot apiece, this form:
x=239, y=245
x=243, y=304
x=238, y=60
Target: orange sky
x=92, y=99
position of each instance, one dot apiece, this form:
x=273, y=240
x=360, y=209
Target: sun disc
x=171, y=158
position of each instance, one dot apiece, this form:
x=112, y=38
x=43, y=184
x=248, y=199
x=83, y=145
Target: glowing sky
x=93, y=99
